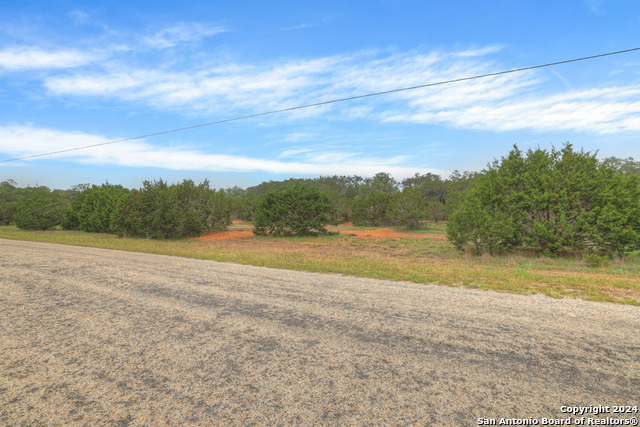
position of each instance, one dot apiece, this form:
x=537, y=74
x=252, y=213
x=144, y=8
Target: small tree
x=40, y=210
x=406, y=208
x=371, y=210
x=247, y=206
x=300, y=210
x=435, y=208
x=481, y=227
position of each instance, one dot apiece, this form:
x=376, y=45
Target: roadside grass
x=417, y=260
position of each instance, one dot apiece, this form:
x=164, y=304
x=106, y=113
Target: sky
x=76, y=73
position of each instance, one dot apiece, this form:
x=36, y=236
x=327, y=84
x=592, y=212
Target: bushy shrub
x=300, y=210
x=612, y=223
x=406, y=208
x=162, y=211
x=9, y=201
x=552, y=200
x=596, y=261
x=481, y=227
x=92, y=210
x=7, y=211
x=371, y=210
x=39, y=210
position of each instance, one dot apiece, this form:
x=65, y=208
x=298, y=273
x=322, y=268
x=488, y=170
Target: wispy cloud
x=222, y=88
x=79, y=17
x=299, y=136
x=181, y=33
x=21, y=58
x=607, y=110
x=293, y=153
x=482, y=51
x=595, y=5
x=299, y=27
x=279, y=85
x=323, y=21
x=36, y=57
x=24, y=140
x=499, y=103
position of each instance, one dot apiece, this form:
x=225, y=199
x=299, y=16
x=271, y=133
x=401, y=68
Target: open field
x=422, y=256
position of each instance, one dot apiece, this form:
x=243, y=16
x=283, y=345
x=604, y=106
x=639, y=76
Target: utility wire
x=327, y=102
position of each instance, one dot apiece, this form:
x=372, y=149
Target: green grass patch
x=417, y=260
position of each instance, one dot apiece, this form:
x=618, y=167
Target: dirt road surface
x=98, y=337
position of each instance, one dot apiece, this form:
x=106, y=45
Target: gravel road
x=100, y=337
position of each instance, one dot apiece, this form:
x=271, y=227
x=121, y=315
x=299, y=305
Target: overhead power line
x=283, y=110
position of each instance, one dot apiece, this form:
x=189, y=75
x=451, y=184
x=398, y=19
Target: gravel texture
x=100, y=337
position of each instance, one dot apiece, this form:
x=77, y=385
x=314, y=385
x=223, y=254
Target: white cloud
x=608, y=110
x=278, y=85
x=19, y=141
x=481, y=51
x=298, y=27
x=224, y=88
x=34, y=57
x=293, y=153
x=183, y=32
x=20, y=58
x=299, y=136
x=498, y=103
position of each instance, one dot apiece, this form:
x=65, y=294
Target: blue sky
x=73, y=74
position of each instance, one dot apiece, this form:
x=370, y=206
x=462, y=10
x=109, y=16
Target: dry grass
x=422, y=260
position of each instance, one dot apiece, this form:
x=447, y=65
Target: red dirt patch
x=380, y=233
x=238, y=221
x=221, y=235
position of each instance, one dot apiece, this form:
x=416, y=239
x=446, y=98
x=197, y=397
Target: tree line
x=156, y=210
x=553, y=200
x=161, y=210
x=377, y=200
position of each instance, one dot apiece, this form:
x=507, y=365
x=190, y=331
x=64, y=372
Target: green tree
x=406, y=208
x=435, y=209
x=92, y=209
x=161, y=211
x=372, y=209
x=628, y=165
x=381, y=182
x=40, y=210
x=481, y=226
x=9, y=201
x=7, y=211
x=247, y=206
x=300, y=210
x=613, y=222
x=552, y=200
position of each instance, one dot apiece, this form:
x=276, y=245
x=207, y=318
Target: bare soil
x=242, y=229
x=221, y=235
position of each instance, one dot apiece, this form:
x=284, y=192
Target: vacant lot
x=92, y=337
x=423, y=256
